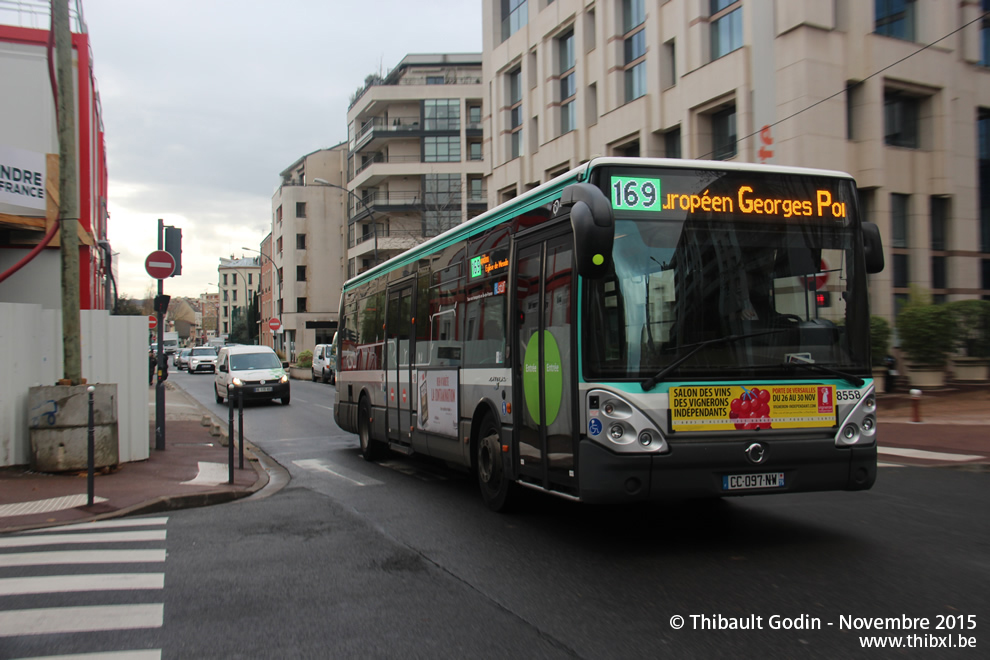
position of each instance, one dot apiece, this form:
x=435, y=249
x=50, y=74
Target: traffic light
x=173, y=245
x=161, y=303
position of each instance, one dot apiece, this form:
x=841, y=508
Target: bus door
x=398, y=363
x=544, y=442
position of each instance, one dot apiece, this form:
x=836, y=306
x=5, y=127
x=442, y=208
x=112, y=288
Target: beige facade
x=417, y=163
x=238, y=285
x=567, y=80
x=308, y=214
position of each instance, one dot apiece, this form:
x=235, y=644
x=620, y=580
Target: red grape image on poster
x=751, y=407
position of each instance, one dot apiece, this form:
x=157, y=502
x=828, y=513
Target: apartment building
x=838, y=84
x=307, y=252
x=267, y=293
x=238, y=285
x=416, y=161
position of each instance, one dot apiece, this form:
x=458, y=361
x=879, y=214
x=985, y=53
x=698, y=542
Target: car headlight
x=284, y=378
x=237, y=382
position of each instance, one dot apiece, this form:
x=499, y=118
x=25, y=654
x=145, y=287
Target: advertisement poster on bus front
x=438, y=401
x=737, y=407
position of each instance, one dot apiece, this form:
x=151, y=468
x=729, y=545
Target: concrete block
x=58, y=422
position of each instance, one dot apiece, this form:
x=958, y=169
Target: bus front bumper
x=699, y=469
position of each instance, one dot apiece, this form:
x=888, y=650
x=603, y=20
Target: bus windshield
x=764, y=269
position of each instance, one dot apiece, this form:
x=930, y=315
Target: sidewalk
x=191, y=471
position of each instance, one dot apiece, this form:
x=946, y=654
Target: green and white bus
x=634, y=329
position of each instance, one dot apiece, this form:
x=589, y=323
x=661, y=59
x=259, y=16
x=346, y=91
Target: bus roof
x=549, y=191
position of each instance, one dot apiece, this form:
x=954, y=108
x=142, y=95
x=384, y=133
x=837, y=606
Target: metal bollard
x=230, y=434
x=90, y=449
x=240, y=428
x=916, y=405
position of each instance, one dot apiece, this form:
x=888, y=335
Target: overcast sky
x=206, y=101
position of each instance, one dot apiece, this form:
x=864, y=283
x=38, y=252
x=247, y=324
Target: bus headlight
x=615, y=432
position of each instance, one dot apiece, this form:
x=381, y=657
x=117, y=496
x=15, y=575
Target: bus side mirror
x=594, y=228
x=872, y=248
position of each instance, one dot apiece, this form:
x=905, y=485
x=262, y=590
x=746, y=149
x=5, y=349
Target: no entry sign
x=152, y=322
x=274, y=325
x=160, y=264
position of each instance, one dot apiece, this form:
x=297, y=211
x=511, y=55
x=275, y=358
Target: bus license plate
x=751, y=481
x=262, y=389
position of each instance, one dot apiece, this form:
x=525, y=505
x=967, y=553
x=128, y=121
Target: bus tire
x=371, y=449
x=497, y=490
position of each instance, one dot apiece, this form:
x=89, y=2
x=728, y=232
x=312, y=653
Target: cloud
x=204, y=103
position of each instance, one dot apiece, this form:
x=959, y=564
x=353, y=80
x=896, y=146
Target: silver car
x=202, y=358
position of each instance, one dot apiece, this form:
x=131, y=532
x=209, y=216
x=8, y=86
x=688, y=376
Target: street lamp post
x=374, y=221
x=277, y=277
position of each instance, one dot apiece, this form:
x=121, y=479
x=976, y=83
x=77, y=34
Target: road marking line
x=105, y=524
x=66, y=557
x=51, y=584
x=322, y=406
x=46, y=506
x=92, y=618
x=318, y=466
x=928, y=455
x=142, y=654
x=210, y=474
x=104, y=537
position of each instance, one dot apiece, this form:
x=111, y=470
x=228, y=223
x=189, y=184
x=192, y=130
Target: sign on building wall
x=22, y=181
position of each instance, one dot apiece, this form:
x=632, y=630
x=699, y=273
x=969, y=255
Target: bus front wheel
x=496, y=488
x=370, y=448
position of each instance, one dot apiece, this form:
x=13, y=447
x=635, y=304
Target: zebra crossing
x=71, y=592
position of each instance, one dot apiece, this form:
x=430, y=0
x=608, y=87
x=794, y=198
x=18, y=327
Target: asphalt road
x=402, y=558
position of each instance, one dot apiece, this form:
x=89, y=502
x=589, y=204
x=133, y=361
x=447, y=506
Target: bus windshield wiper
x=855, y=381
x=650, y=383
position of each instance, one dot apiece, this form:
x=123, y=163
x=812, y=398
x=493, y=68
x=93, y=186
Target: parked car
x=181, y=359
x=256, y=372
x=324, y=364
x=202, y=358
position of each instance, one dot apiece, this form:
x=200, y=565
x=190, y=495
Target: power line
x=858, y=83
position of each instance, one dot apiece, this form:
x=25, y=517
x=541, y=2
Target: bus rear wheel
x=497, y=490
x=371, y=449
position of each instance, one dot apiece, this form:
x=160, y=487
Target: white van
x=254, y=371
x=324, y=363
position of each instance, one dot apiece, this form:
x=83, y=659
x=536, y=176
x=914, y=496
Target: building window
x=568, y=84
x=634, y=48
x=724, y=134
x=234, y=280
x=250, y=279
x=300, y=273
x=474, y=116
x=225, y=279
x=442, y=114
x=476, y=189
x=225, y=299
x=474, y=151
x=899, y=220
x=442, y=149
x=895, y=18
x=434, y=80
x=234, y=295
x=300, y=304
x=983, y=148
x=901, y=278
x=225, y=330
x=514, y=81
x=985, y=35
x=726, y=22
x=441, y=191
x=900, y=118
x=300, y=241
x=939, y=227
x=438, y=221
x=672, y=143
x=668, y=74
x=278, y=245
x=514, y=16
x=300, y=209
x=226, y=313
x=278, y=214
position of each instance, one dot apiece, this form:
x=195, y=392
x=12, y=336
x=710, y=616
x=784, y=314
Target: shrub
x=879, y=340
x=972, y=319
x=927, y=334
x=304, y=360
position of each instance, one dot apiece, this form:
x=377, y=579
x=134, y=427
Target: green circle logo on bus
x=598, y=260
x=554, y=377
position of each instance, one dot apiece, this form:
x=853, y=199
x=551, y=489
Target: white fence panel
x=114, y=350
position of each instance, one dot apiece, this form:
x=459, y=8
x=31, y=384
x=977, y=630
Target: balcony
x=377, y=130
